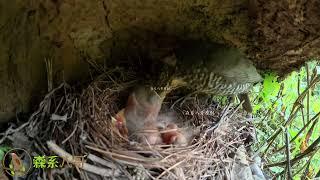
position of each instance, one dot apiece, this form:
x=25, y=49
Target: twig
x=10, y=131
x=308, y=93
x=311, y=149
x=131, y=156
x=101, y=161
x=311, y=85
x=42, y=105
x=307, y=169
x=48, y=62
x=298, y=171
x=72, y=133
x=293, y=113
x=87, y=167
x=288, y=154
x=298, y=90
x=314, y=120
x=271, y=139
x=172, y=167
x=304, y=166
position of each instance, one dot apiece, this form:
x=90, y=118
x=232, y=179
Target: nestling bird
x=173, y=135
x=119, y=123
x=212, y=68
x=138, y=119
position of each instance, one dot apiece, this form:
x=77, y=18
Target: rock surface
x=75, y=31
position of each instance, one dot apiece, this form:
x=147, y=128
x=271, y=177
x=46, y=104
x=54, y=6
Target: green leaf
x=270, y=87
x=3, y=150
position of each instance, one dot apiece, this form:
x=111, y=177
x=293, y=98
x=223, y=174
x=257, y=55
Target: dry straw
x=72, y=122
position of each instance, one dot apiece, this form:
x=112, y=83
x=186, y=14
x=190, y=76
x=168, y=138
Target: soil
x=278, y=36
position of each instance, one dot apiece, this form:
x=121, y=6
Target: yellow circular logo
x=17, y=162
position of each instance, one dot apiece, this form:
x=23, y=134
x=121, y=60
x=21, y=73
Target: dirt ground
x=278, y=36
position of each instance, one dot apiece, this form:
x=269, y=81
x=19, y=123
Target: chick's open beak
x=119, y=123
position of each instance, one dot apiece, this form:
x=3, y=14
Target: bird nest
x=72, y=123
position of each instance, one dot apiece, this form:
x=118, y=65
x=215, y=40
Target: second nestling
x=139, y=120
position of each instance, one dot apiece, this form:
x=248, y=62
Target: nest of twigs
x=78, y=122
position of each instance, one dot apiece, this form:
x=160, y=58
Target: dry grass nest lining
x=80, y=123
